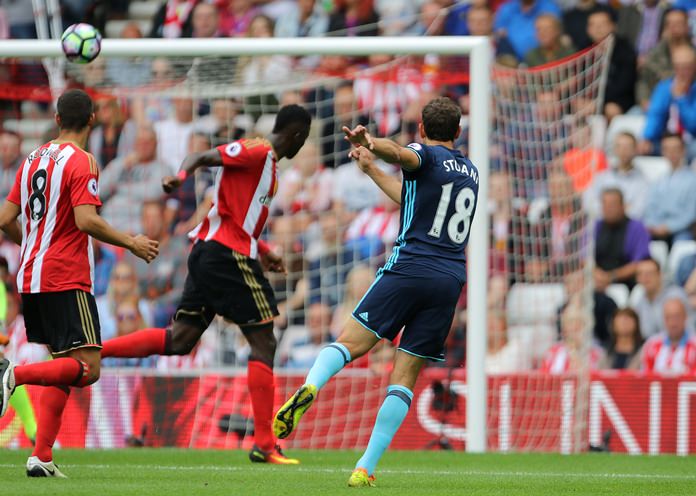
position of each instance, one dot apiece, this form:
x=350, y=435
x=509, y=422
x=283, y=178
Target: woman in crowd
x=625, y=342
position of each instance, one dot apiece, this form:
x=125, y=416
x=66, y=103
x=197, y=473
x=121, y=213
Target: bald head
x=674, y=311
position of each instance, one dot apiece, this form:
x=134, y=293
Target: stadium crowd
x=334, y=226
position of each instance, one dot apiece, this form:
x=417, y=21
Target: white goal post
x=480, y=52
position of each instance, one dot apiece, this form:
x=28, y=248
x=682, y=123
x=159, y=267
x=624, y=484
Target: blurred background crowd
x=637, y=206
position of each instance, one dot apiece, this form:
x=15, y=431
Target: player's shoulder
x=247, y=146
x=81, y=161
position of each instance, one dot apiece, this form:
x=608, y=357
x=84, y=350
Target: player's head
x=440, y=120
x=292, y=128
x=74, y=111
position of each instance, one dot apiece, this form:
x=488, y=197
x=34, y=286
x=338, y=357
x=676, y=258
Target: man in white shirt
x=173, y=134
x=623, y=176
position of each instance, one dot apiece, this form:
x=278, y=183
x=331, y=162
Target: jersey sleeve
x=15, y=195
x=84, y=182
x=244, y=153
x=422, y=152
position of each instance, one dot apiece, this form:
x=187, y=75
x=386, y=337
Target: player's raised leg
x=390, y=416
x=353, y=343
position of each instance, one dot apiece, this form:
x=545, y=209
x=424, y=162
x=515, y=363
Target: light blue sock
x=329, y=363
x=389, y=418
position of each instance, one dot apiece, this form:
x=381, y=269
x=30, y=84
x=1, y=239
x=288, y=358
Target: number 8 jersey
x=438, y=203
x=55, y=254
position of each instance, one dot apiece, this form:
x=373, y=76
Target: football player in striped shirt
x=226, y=266
x=55, y=196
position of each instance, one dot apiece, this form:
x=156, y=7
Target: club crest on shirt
x=93, y=187
x=233, y=149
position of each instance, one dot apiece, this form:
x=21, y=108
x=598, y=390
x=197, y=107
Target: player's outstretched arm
x=8, y=221
x=88, y=221
x=210, y=158
x=389, y=184
x=386, y=149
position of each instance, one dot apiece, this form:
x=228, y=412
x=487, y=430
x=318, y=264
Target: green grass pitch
x=173, y=472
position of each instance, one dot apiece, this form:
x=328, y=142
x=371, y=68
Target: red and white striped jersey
x=55, y=255
x=660, y=357
x=376, y=222
x=242, y=193
x=558, y=360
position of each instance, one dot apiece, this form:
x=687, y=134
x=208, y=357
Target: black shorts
x=223, y=282
x=423, y=306
x=63, y=320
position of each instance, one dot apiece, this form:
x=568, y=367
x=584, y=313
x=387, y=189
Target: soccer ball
x=81, y=43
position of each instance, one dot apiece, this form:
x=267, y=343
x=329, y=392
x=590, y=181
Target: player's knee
x=184, y=339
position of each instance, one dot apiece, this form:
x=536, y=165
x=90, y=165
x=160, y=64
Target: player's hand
x=363, y=157
x=145, y=248
x=359, y=136
x=170, y=183
x=273, y=262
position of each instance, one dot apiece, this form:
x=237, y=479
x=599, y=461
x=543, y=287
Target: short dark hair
x=441, y=118
x=672, y=135
x=614, y=191
x=290, y=114
x=654, y=262
x=629, y=135
x=74, y=109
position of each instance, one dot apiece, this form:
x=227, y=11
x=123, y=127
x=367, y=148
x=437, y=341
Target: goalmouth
x=480, y=52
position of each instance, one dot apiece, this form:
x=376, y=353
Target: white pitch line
x=458, y=473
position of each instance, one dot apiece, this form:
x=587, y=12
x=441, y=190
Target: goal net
x=334, y=228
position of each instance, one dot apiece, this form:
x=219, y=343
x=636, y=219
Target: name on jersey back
x=452, y=165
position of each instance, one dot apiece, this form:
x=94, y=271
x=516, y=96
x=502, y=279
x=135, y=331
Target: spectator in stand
x=479, y=21
x=653, y=296
x=10, y=160
x=375, y=229
x=550, y=45
x=129, y=181
x=568, y=355
x=173, y=135
x=128, y=319
x=504, y=355
x=205, y=21
x=671, y=208
x=306, y=19
x=334, y=147
x=183, y=211
x=431, y=20
x=161, y=281
x=673, y=350
x=672, y=107
x=129, y=71
x=515, y=20
x=305, y=346
x=263, y=69
x=575, y=21
x=123, y=287
x=395, y=16
x=625, y=341
x=657, y=64
x=20, y=15
x=173, y=19
x=236, y=17
x=640, y=23
x=353, y=18
x=328, y=260
x=104, y=262
x=306, y=186
x=620, y=243
x=619, y=94
x=631, y=181
x=113, y=135
x=603, y=307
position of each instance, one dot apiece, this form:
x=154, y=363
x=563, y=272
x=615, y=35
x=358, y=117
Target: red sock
x=139, y=344
x=58, y=372
x=261, y=385
x=51, y=406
